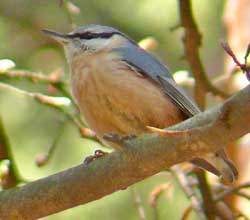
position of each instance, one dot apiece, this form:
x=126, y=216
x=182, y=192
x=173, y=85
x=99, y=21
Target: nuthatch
x=120, y=88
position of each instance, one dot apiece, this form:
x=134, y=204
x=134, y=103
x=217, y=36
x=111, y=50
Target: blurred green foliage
x=32, y=127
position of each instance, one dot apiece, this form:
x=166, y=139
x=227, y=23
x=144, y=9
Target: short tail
x=218, y=164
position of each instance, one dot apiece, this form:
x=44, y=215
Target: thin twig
x=56, y=103
x=34, y=77
x=223, y=211
x=231, y=191
x=70, y=9
x=243, y=195
x=44, y=158
x=138, y=203
x=243, y=66
x=52, y=79
x=187, y=213
x=155, y=194
x=208, y=203
x=11, y=176
x=184, y=183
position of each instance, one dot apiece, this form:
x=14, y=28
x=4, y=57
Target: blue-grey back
x=144, y=61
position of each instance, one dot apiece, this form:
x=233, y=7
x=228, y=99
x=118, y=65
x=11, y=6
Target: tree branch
x=232, y=190
x=196, y=203
x=11, y=177
x=143, y=157
x=192, y=41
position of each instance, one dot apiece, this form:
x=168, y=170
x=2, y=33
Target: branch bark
x=11, y=177
x=143, y=156
x=192, y=41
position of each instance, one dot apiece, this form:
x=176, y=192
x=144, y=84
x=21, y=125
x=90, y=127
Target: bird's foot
x=91, y=158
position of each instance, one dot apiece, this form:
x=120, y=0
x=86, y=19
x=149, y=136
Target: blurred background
x=31, y=128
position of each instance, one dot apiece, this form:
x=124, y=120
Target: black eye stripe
x=89, y=35
x=103, y=35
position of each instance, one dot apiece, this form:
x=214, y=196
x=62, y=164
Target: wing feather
x=155, y=70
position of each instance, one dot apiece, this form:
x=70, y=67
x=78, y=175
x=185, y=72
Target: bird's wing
x=149, y=66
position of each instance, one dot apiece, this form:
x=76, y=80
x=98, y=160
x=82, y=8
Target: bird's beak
x=62, y=38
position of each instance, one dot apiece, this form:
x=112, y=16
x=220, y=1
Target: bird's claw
x=91, y=158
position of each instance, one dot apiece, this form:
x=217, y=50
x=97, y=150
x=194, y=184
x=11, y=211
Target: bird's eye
x=87, y=35
x=90, y=35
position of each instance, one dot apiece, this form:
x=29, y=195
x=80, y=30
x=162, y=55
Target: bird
x=121, y=88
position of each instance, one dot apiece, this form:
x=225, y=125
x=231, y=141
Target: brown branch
x=224, y=211
x=10, y=177
x=177, y=171
x=231, y=190
x=243, y=195
x=56, y=103
x=186, y=213
x=154, y=196
x=70, y=10
x=208, y=204
x=143, y=157
x=43, y=158
x=157, y=192
x=34, y=77
x=192, y=41
x=52, y=79
x=243, y=66
x=196, y=204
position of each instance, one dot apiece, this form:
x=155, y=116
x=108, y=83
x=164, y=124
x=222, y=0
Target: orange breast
x=113, y=98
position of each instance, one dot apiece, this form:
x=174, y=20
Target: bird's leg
x=97, y=154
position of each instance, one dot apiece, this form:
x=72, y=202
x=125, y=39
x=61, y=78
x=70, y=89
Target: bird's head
x=90, y=39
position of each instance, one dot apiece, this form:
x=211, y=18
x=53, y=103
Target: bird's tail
x=218, y=164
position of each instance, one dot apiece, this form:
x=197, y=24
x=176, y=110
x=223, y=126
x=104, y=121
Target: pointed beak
x=62, y=38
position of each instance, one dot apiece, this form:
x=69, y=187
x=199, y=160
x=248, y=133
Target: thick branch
x=144, y=156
